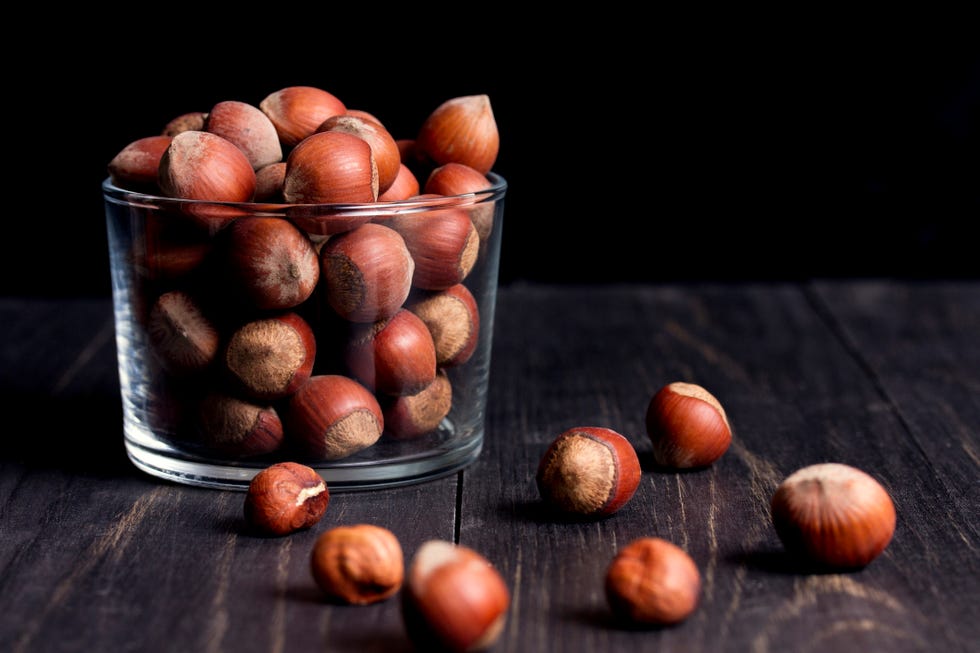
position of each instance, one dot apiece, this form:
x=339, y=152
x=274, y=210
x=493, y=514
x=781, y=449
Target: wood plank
x=795, y=394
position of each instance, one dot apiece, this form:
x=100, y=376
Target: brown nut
x=186, y=122
x=687, y=425
x=406, y=185
x=383, y=146
x=284, y=498
x=443, y=243
x=652, y=581
x=411, y=416
x=169, y=246
x=454, y=599
x=237, y=427
x=331, y=167
x=588, y=471
x=460, y=179
x=332, y=417
x=205, y=166
x=394, y=356
x=272, y=264
x=359, y=564
x=137, y=164
x=453, y=320
x=833, y=515
x=367, y=273
x=461, y=130
x=247, y=127
x=270, y=358
x=296, y=111
x=269, y=181
x=184, y=339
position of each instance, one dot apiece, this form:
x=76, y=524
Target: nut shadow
x=606, y=619
x=649, y=465
x=777, y=562
x=537, y=511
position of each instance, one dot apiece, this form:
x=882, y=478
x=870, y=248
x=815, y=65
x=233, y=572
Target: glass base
x=188, y=469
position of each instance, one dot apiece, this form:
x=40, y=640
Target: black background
x=636, y=149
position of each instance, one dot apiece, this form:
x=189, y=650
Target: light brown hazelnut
x=359, y=564
x=652, y=581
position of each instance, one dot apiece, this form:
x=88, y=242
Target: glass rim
x=496, y=191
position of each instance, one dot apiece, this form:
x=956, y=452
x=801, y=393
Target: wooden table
x=882, y=375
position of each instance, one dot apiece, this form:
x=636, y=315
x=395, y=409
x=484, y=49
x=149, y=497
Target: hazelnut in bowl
x=290, y=283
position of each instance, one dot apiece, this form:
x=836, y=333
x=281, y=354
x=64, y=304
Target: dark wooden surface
x=96, y=556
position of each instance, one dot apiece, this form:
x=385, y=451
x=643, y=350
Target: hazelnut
x=405, y=185
x=296, y=111
x=360, y=564
x=652, y=581
x=460, y=179
x=271, y=263
x=247, y=127
x=204, y=166
x=237, y=427
x=454, y=599
x=186, y=122
x=687, y=425
x=367, y=273
x=284, y=498
x=443, y=243
x=268, y=183
x=331, y=167
x=461, y=130
x=588, y=471
x=383, y=146
x=833, y=515
x=411, y=416
x=394, y=356
x=269, y=358
x=137, y=164
x=453, y=320
x=169, y=247
x=332, y=416
x=184, y=339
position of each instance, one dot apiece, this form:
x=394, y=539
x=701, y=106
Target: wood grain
x=95, y=555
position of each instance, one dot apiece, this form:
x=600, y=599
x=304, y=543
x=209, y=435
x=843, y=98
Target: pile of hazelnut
x=828, y=515
x=323, y=330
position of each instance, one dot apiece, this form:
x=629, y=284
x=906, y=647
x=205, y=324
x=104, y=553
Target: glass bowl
x=234, y=353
